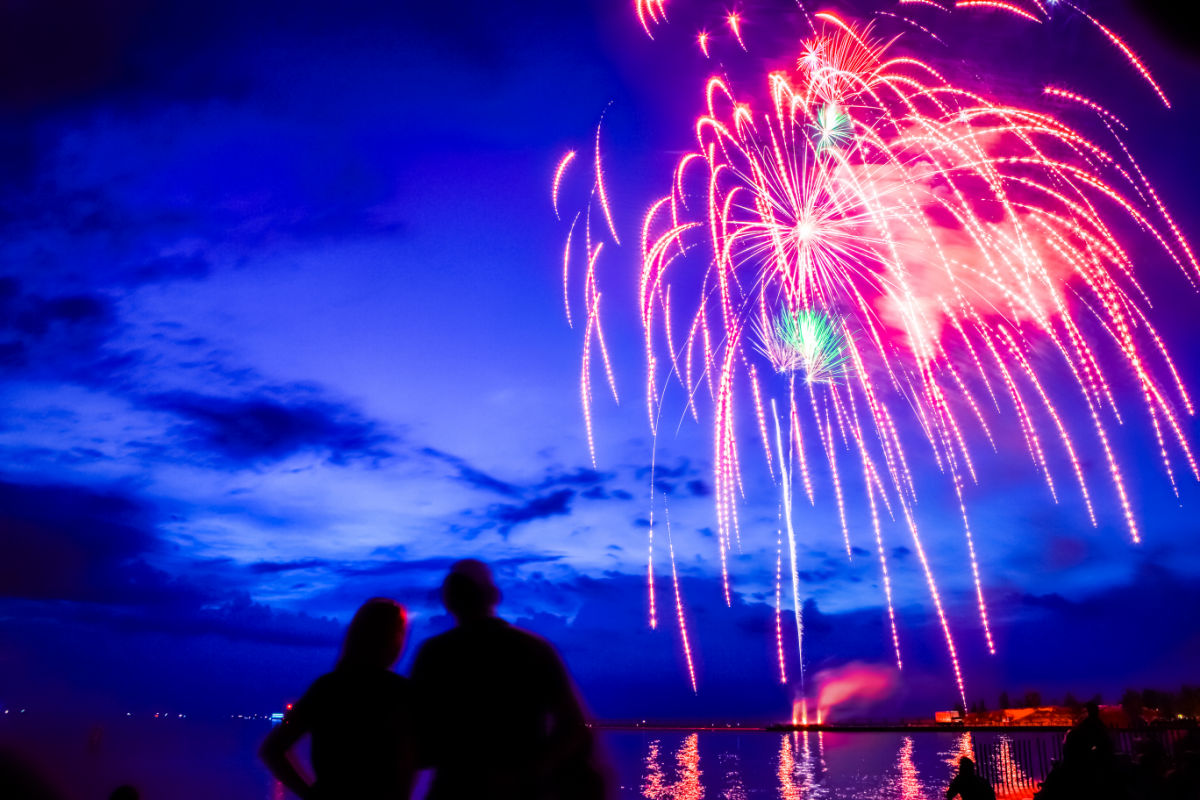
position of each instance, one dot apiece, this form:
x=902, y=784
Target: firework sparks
x=559, y=171
x=808, y=342
x=954, y=235
x=834, y=127
x=734, y=21
x=1009, y=7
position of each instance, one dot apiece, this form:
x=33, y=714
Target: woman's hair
x=375, y=635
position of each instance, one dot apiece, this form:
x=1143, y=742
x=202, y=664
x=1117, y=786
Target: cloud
x=268, y=426
x=63, y=336
x=579, y=477
x=507, y=516
x=275, y=567
x=172, y=267
x=64, y=542
x=472, y=476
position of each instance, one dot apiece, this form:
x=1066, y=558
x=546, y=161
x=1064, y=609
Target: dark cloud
x=472, y=476
x=94, y=601
x=63, y=336
x=601, y=493
x=274, y=567
x=699, y=488
x=680, y=469
x=507, y=516
x=165, y=268
x=901, y=552
x=817, y=576
x=65, y=457
x=580, y=477
x=549, y=497
x=436, y=567
x=268, y=426
x=64, y=542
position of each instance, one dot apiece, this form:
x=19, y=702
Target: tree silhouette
x=1131, y=703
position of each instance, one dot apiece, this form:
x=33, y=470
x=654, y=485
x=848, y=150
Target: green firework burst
x=834, y=127
x=808, y=341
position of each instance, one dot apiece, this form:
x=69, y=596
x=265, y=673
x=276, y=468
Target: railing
x=1023, y=762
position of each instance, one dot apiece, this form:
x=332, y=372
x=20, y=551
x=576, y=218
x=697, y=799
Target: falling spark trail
x=1009, y=7
x=558, y=176
x=687, y=648
x=785, y=482
x=602, y=192
x=1129, y=54
x=779, y=607
x=735, y=25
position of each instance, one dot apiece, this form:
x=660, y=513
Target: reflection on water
x=654, y=785
x=687, y=761
x=811, y=766
x=910, y=781
x=1009, y=768
x=801, y=765
x=733, y=789
x=194, y=760
x=688, y=758
x=788, y=790
x=965, y=749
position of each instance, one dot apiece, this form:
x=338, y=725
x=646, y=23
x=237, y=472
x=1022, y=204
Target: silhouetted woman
x=360, y=718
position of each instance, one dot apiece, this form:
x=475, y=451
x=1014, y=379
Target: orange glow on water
x=688, y=787
x=654, y=785
x=909, y=780
x=788, y=790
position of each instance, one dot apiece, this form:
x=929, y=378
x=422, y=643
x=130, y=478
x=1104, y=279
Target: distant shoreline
x=863, y=728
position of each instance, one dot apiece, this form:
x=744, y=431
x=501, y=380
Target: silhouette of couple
x=489, y=707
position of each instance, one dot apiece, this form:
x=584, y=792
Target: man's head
x=469, y=592
x=966, y=766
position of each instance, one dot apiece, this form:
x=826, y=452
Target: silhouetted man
x=969, y=784
x=501, y=718
x=1088, y=740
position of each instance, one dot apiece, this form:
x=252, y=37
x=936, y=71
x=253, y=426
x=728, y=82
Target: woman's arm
x=276, y=753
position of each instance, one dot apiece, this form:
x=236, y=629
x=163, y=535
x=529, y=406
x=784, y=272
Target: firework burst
x=960, y=238
x=807, y=342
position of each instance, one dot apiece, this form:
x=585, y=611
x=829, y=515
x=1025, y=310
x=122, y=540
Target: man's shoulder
x=531, y=639
x=494, y=629
x=535, y=648
x=324, y=683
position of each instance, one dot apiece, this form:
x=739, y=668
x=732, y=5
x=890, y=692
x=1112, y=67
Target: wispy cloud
x=270, y=425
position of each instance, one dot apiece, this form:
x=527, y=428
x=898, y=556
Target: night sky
x=281, y=329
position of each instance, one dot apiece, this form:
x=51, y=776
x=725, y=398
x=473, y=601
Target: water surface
x=182, y=759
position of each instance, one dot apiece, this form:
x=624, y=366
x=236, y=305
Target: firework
x=833, y=127
x=808, y=342
x=960, y=238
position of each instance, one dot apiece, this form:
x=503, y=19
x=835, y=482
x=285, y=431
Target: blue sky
x=281, y=329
